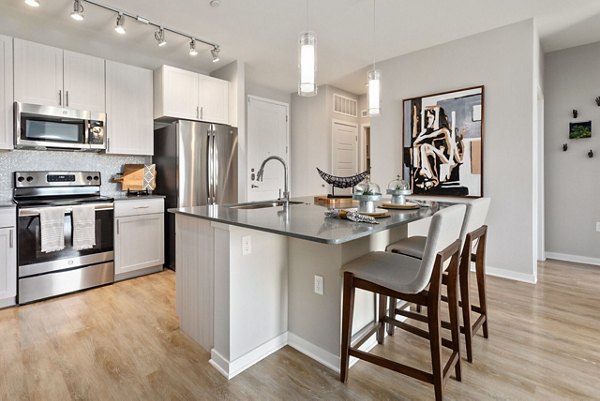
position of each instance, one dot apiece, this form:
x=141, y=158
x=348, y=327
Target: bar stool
x=413, y=280
x=473, y=237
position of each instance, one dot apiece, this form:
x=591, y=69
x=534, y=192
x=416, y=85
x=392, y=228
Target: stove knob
x=89, y=178
x=96, y=178
x=29, y=179
x=21, y=179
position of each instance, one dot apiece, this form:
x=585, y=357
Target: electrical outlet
x=318, y=285
x=598, y=226
x=246, y=245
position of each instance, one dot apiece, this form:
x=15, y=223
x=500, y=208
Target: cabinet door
x=6, y=93
x=214, y=99
x=139, y=242
x=179, y=94
x=8, y=266
x=84, y=82
x=38, y=71
x=129, y=120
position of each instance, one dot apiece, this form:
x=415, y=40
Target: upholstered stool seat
x=411, y=246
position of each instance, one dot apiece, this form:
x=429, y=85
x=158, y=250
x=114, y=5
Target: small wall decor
x=580, y=130
x=443, y=137
x=575, y=113
x=598, y=101
x=565, y=147
x=591, y=154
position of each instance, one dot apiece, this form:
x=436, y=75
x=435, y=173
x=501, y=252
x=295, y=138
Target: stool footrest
x=398, y=367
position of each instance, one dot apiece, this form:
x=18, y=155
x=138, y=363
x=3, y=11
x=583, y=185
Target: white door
x=38, y=73
x=344, y=157
x=130, y=127
x=214, y=99
x=6, y=93
x=268, y=133
x=84, y=82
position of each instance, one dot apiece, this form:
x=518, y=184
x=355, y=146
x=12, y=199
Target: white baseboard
x=5, y=303
x=315, y=352
x=230, y=369
x=573, y=258
x=508, y=274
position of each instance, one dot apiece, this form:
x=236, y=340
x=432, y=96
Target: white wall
x=502, y=60
x=572, y=191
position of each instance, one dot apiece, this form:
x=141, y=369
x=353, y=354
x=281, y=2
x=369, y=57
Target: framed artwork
x=580, y=130
x=443, y=143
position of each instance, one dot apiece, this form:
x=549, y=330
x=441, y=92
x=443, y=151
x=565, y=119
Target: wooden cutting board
x=323, y=200
x=133, y=178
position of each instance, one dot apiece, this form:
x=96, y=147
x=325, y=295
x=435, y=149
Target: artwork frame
x=580, y=130
x=443, y=142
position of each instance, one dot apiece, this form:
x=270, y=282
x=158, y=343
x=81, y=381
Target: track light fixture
x=160, y=36
x=215, y=54
x=77, y=13
x=120, y=25
x=193, y=51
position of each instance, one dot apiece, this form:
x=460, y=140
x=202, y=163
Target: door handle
x=60, y=97
x=10, y=238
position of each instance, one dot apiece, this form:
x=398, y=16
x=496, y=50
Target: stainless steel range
x=47, y=274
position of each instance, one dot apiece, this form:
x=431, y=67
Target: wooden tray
x=334, y=202
x=406, y=206
x=379, y=213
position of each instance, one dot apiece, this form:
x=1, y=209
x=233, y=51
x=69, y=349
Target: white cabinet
x=8, y=257
x=6, y=93
x=129, y=124
x=139, y=237
x=184, y=94
x=54, y=77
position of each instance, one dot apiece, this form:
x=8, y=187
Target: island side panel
x=194, y=279
x=315, y=320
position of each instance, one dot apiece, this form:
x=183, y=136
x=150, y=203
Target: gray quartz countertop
x=306, y=221
x=124, y=197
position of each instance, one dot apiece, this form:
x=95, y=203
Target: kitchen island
x=250, y=281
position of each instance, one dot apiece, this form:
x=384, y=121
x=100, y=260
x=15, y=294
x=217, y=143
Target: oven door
x=31, y=259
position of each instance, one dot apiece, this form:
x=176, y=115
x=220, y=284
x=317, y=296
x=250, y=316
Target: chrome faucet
x=286, y=192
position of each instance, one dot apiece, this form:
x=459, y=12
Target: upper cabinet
x=54, y=77
x=6, y=93
x=129, y=124
x=184, y=94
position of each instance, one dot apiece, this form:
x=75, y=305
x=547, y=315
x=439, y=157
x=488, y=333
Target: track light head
x=193, y=51
x=160, y=37
x=120, y=26
x=77, y=13
x=32, y=3
x=215, y=54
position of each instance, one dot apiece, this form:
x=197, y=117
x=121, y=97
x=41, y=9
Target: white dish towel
x=52, y=227
x=84, y=227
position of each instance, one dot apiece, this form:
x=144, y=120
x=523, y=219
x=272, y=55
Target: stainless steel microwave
x=47, y=127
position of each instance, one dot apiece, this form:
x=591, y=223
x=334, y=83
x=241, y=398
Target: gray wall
x=33, y=160
x=572, y=189
x=502, y=60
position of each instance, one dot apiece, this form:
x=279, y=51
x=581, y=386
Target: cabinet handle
x=67, y=98
x=108, y=144
x=118, y=226
x=202, y=113
x=141, y=207
x=197, y=112
x=10, y=238
x=60, y=97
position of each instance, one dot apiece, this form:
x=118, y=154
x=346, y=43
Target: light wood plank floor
x=122, y=342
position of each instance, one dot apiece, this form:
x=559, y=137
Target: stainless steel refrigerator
x=196, y=164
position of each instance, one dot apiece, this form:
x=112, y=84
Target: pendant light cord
x=306, y=15
x=374, y=41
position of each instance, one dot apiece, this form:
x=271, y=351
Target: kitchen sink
x=261, y=204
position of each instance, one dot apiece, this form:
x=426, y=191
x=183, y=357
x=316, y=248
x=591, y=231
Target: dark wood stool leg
x=480, y=272
x=453, y=309
x=435, y=325
x=347, y=312
x=465, y=299
x=381, y=318
x=392, y=315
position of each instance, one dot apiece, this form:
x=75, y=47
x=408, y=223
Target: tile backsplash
x=36, y=160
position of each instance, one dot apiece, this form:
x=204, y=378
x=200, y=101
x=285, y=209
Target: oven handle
x=30, y=212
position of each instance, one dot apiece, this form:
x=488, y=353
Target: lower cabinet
x=139, y=237
x=8, y=258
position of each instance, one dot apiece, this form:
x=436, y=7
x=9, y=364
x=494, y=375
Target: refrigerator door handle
x=215, y=168
x=209, y=163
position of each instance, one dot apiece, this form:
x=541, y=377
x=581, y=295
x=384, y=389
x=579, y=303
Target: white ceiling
x=263, y=33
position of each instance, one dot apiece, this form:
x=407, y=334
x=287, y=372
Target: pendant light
x=307, y=61
x=374, y=77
